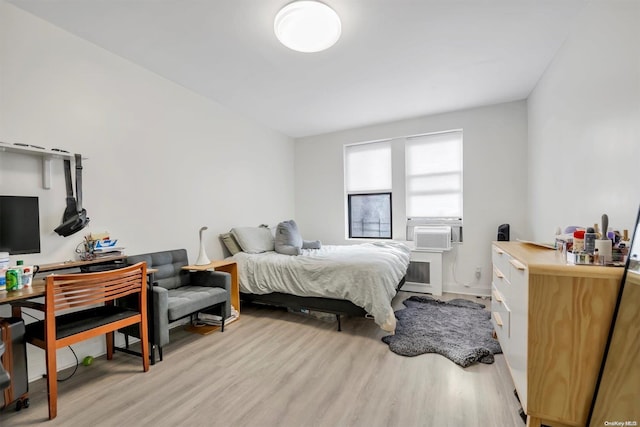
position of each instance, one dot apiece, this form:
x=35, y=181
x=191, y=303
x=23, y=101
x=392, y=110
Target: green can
x=13, y=277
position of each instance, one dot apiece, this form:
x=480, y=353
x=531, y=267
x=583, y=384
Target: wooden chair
x=81, y=306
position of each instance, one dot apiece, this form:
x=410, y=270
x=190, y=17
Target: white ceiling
x=396, y=59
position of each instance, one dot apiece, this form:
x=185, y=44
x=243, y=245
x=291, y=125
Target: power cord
x=453, y=271
x=70, y=348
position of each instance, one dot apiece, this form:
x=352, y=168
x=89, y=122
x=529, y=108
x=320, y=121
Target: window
x=424, y=172
x=368, y=189
x=370, y=215
x=433, y=175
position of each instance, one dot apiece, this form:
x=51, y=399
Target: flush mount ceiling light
x=307, y=26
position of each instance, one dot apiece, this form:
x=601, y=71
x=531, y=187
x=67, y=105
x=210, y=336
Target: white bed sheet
x=366, y=274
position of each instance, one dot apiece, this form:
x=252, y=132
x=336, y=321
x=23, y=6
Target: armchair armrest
x=218, y=279
x=158, y=299
x=160, y=319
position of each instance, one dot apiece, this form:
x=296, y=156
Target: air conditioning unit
x=454, y=223
x=432, y=237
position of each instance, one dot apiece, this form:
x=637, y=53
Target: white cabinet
x=425, y=272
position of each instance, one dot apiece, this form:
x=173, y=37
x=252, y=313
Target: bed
x=355, y=280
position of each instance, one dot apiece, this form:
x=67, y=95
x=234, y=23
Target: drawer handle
x=496, y=296
x=499, y=274
x=498, y=251
x=517, y=264
x=497, y=318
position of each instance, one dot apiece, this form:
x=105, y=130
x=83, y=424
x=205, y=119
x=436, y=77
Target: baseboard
x=464, y=290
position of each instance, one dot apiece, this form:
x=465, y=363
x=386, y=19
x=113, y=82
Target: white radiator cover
x=425, y=272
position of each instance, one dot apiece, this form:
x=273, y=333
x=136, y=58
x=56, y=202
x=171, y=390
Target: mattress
x=367, y=274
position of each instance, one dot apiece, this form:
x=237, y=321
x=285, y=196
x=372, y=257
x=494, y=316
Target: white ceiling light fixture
x=307, y=26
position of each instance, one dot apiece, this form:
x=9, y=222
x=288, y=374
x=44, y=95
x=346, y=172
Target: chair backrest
x=73, y=291
x=168, y=264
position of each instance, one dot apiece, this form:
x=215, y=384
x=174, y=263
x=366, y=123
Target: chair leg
x=126, y=340
x=223, y=315
x=144, y=346
x=160, y=353
x=109, y=338
x=52, y=381
x=152, y=353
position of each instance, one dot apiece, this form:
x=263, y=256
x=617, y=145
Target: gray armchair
x=180, y=293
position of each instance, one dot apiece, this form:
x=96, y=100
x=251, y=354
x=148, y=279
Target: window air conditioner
x=433, y=237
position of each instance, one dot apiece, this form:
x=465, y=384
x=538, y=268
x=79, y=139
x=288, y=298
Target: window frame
x=349, y=214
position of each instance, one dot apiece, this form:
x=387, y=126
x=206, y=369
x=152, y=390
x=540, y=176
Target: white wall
x=495, y=184
x=584, y=124
x=162, y=161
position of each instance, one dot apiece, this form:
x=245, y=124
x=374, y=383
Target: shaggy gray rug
x=460, y=330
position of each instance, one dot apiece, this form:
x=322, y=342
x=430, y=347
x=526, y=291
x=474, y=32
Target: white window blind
x=433, y=175
x=368, y=167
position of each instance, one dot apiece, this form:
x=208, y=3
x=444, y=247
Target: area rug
x=460, y=330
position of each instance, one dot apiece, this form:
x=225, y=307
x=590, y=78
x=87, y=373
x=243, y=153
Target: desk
x=230, y=267
x=37, y=288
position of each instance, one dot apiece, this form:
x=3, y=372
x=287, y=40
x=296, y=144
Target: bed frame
x=338, y=307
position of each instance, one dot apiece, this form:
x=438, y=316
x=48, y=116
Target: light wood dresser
x=552, y=321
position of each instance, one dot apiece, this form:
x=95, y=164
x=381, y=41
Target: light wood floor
x=274, y=368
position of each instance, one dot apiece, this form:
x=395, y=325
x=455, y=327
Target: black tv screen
x=19, y=225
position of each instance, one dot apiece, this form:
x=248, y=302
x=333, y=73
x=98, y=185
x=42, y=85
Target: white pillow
x=254, y=240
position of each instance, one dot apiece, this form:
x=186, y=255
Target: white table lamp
x=202, y=256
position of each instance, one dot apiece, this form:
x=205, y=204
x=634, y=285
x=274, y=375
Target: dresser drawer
x=519, y=283
x=501, y=260
x=500, y=316
x=500, y=282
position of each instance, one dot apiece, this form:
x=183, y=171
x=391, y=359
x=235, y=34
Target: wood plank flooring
x=274, y=368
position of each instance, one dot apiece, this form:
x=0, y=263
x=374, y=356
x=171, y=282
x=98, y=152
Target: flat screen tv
x=19, y=225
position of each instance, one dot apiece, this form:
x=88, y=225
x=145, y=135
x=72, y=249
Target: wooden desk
x=226, y=266
x=78, y=264
x=37, y=288
x=34, y=291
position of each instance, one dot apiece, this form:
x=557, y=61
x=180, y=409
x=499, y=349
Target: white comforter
x=366, y=274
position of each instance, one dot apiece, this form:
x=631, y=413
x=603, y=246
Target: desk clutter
x=98, y=245
x=595, y=245
x=13, y=278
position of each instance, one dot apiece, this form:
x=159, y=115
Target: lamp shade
x=307, y=26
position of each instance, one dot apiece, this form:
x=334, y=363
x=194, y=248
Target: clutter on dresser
x=98, y=245
x=597, y=245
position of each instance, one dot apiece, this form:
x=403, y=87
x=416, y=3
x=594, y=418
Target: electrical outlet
x=478, y=272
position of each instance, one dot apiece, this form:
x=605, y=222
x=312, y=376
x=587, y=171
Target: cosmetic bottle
x=590, y=240
x=578, y=240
